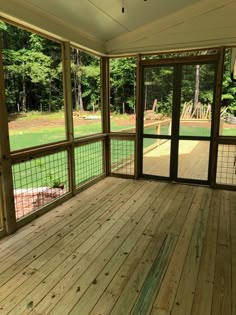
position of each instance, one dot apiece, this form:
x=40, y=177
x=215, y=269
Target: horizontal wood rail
x=121, y=136
x=28, y=154
x=157, y=124
x=182, y=60
x=89, y=139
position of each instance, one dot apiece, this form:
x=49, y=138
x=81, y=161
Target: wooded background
x=33, y=78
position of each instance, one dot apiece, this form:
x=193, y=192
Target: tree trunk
x=79, y=95
x=145, y=98
x=81, y=107
x=23, y=94
x=75, y=93
x=50, y=96
x=197, y=81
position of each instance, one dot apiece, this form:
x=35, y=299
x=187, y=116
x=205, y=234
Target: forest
x=33, y=78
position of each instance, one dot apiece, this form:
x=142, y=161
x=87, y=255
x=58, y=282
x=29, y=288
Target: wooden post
x=105, y=104
x=216, y=117
x=158, y=132
x=1, y=204
x=7, y=190
x=221, y=125
x=174, y=150
x=69, y=113
x=170, y=126
x=139, y=122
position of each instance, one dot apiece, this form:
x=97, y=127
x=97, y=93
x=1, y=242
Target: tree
x=33, y=74
x=28, y=64
x=229, y=87
x=91, y=85
x=122, y=83
x=76, y=70
x=197, y=82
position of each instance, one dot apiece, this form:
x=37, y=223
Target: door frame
x=177, y=64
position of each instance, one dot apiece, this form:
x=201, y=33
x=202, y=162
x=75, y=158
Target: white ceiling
x=145, y=26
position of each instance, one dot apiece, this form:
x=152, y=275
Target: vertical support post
x=6, y=181
x=158, y=132
x=139, y=122
x=169, y=127
x=1, y=204
x=216, y=117
x=69, y=113
x=175, y=124
x=105, y=109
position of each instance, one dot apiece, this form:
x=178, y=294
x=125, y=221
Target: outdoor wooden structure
x=121, y=245
x=144, y=247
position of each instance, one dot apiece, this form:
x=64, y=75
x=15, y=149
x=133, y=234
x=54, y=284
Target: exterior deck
x=125, y=247
x=193, y=160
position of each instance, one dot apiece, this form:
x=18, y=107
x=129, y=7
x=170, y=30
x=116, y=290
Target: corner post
x=6, y=179
x=69, y=113
x=139, y=122
x=105, y=101
x=216, y=116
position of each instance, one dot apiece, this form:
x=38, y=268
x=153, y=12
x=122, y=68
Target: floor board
x=125, y=247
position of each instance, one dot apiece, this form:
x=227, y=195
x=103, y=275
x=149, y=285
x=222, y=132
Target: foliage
x=229, y=87
x=85, y=72
x=33, y=78
x=122, y=84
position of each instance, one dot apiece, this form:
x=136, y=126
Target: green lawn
x=51, y=170
x=27, y=138
x=48, y=170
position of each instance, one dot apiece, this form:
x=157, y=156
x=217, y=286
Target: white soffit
x=145, y=26
x=27, y=14
x=208, y=23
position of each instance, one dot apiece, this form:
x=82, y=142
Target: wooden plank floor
x=193, y=160
x=125, y=247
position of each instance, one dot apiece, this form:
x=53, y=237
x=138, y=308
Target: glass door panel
x=156, y=157
x=177, y=105
x=158, y=99
x=157, y=119
x=193, y=159
x=197, y=93
x=195, y=121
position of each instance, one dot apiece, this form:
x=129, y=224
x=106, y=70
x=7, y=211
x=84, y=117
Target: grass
x=27, y=138
x=37, y=115
x=42, y=176
x=51, y=170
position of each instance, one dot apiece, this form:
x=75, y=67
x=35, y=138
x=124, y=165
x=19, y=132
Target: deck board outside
x=125, y=247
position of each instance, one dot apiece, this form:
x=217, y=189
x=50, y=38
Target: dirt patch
x=43, y=122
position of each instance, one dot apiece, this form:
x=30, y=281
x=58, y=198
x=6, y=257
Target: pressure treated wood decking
x=125, y=247
x=192, y=161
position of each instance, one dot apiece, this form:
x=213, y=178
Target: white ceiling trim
x=201, y=24
x=32, y=17
x=154, y=31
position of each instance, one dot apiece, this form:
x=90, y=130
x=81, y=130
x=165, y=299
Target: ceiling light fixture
x=123, y=6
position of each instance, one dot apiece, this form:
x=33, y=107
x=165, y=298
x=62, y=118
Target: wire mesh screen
x=88, y=162
x=122, y=156
x=39, y=182
x=226, y=165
